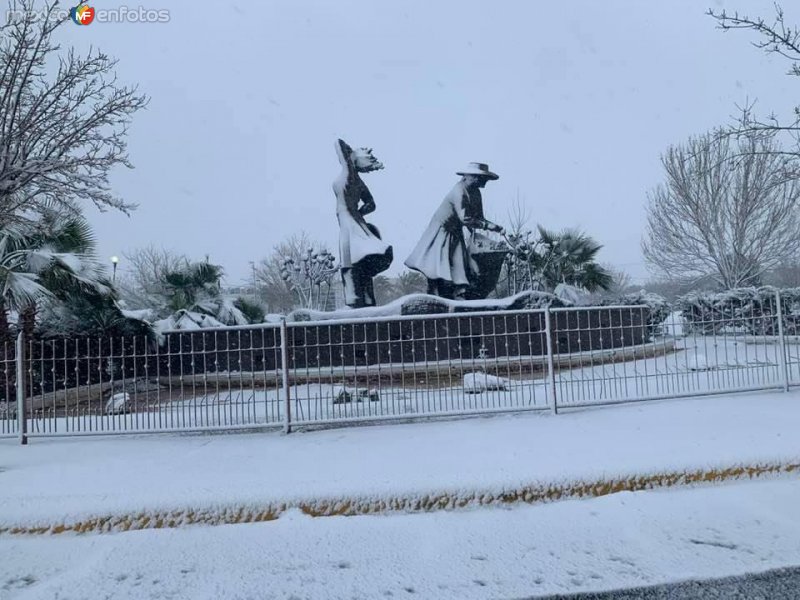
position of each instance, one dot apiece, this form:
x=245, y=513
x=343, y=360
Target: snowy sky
x=570, y=102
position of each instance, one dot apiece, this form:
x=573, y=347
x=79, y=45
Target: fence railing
x=380, y=369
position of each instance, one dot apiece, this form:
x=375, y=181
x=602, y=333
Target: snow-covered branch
x=60, y=134
x=727, y=207
x=781, y=39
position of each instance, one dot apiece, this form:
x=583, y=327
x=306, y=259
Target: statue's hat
x=480, y=169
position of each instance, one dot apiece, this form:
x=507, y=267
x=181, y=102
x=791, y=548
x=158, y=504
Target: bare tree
x=621, y=281
x=62, y=127
x=141, y=284
x=518, y=270
x=773, y=37
x=671, y=289
x=726, y=209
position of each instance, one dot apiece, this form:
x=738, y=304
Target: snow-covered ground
x=63, y=480
x=626, y=539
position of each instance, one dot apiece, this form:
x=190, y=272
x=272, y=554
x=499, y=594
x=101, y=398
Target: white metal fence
x=339, y=371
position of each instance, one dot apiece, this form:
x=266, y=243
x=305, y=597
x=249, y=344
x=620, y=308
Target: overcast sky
x=571, y=102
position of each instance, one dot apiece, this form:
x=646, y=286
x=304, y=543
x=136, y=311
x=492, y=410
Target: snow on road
x=626, y=539
x=54, y=480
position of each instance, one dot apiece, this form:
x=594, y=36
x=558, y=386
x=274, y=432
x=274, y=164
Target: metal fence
x=340, y=371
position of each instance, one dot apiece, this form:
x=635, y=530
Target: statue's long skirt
x=441, y=253
x=360, y=245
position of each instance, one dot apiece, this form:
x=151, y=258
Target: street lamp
x=255, y=284
x=114, y=261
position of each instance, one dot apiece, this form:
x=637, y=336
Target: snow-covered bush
x=532, y=300
x=344, y=395
x=749, y=310
x=90, y=315
x=658, y=308
x=550, y=259
x=186, y=320
x=191, y=297
x=478, y=382
x=117, y=403
x=571, y=294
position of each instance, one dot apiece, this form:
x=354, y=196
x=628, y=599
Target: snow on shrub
x=478, y=382
x=674, y=324
x=572, y=295
x=343, y=395
x=658, y=308
x=117, y=403
x=742, y=310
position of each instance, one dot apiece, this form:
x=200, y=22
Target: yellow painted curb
x=328, y=507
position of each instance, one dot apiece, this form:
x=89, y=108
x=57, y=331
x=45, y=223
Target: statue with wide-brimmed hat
x=443, y=253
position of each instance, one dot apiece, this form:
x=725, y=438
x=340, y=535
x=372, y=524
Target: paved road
x=779, y=584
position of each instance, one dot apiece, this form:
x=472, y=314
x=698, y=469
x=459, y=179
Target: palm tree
x=72, y=239
x=253, y=311
x=90, y=314
x=410, y=282
x=196, y=288
x=45, y=262
x=568, y=257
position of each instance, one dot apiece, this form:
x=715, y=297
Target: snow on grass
x=627, y=539
x=68, y=480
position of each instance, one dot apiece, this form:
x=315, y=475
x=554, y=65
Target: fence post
x=287, y=396
x=782, y=343
x=22, y=421
x=551, y=374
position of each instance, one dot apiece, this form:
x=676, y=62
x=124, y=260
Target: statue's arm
x=472, y=216
x=492, y=226
x=474, y=223
x=368, y=202
x=478, y=223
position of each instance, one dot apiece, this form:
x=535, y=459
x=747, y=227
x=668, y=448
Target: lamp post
x=114, y=261
x=255, y=284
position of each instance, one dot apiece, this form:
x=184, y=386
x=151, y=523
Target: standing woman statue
x=442, y=254
x=362, y=252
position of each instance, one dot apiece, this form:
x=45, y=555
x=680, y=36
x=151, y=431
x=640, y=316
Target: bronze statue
x=449, y=260
x=362, y=252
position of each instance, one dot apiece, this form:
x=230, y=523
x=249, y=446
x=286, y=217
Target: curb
x=536, y=493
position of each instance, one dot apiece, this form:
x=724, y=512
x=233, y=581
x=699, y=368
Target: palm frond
x=229, y=313
x=22, y=290
x=75, y=235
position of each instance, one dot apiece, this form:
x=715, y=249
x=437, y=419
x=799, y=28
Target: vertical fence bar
x=782, y=344
x=287, y=396
x=551, y=374
x=22, y=421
